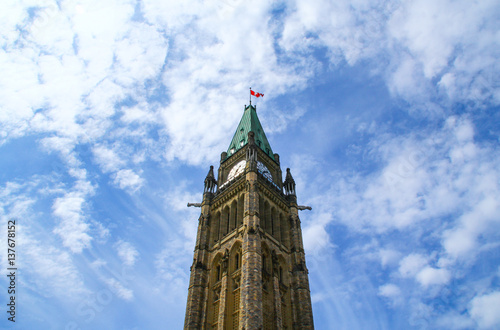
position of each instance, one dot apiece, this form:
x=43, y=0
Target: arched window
x=224, y=222
x=273, y=221
x=267, y=216
x=216, y=228
x=233, y=215
x=218, y=275
x=241, y=203
x=237, y=261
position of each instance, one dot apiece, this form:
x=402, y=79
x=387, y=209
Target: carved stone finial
x=225, y=261
x=251, y=138
x=252, y=148
x=289, y=183
x=276, y=264
x=210, y=181
x=223, y=156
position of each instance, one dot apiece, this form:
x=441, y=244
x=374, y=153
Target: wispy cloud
x=127, y=96
x=127, y=253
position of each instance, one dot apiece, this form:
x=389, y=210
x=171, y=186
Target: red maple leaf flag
x=256, y=94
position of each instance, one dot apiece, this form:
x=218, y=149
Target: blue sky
x=111, y=113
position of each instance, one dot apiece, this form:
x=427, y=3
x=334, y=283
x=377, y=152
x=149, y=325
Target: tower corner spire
x=210, y=182
x=289, y=184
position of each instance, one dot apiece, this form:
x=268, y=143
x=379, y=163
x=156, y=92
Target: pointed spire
x=289, y=184
x=210, y=181
x=249, y=123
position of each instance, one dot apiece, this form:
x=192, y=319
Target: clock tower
x=249, y=270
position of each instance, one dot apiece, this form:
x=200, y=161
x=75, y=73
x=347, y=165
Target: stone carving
x=225, y=261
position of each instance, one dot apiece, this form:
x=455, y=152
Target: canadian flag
x=256, y=94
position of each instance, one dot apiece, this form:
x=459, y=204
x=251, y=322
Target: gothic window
x=213, y=307
x=285, y=231
x=236, y=304
x=241, y=203
x=216, y=227
x=267, y=215
x=262, y=213
x=218, y=273
x=215, y=310
x=233, y=293
x=234, y=215
x=237, y=261
x=273, y=217
x=277, y=225
x=267, y=290
x=224, y=225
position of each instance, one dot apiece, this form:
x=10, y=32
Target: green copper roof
x=249, y=122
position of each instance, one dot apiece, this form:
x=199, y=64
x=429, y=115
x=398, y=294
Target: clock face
x=236, y=170
x=264, y=171
x=240, y=168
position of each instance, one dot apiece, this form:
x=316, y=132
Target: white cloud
x=75, y=77
x=137, y=114
x=389, y=290
x=315, y=238
x=120, y=290
x=463, y=239
x=42, y=263
x=112, y=160
x=107, y=158
x=127, y=252
x=484, y=310
x=446, y=173
x=454, y=320
x=420, y=40
x=129, y=180
x=389, y=257
x=433, y=276
x=199, y=76
x=42, y=259
x=89, y=61
x=461, y=26
x=98, y=263
x=73, y=228
x=172, y=270
x=392, y=293
x=412, y=264
x=64, y=146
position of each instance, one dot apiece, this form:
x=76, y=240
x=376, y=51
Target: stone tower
x=249, y=270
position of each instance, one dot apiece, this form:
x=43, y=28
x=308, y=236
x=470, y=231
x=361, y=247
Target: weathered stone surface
x=249, y=268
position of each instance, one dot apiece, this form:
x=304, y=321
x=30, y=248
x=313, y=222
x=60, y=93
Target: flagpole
x=250, y=95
